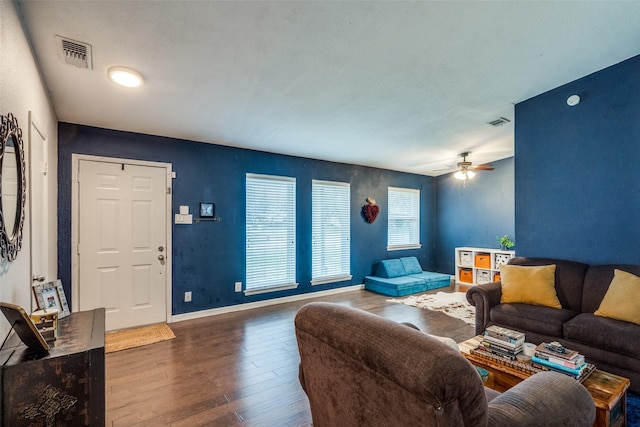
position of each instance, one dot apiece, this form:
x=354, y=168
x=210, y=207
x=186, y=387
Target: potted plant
x=505, y=242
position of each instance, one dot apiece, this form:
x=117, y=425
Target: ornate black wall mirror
x=12, y=187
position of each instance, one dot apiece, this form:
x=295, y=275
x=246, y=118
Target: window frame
x=252, y=195
x=317, y=217
x=415, y=217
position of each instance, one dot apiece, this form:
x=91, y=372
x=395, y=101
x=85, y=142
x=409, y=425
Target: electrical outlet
x=187, y=296
x=238, y=286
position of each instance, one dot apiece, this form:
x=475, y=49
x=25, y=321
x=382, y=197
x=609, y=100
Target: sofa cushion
x=570, y=276
x=622, y=300
x=527, y=317
x=529, y=285
x=433, y=280
x=390, y=268
x=411, y=265
x=395, y=281
x=604, y=333
x=395, y=286
x=597, y=281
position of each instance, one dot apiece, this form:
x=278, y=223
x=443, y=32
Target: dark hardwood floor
x=236, y=369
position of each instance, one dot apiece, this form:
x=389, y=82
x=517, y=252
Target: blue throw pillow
x=390, y=268
x=411, y=265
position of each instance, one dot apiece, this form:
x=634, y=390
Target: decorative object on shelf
x=506, y=244
x=370, y=211
x=207, y=210
x=207, y=213
x=13, y=186
x=46, y=322
x=50, y=295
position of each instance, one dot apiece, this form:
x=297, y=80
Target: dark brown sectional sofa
x=612, y=345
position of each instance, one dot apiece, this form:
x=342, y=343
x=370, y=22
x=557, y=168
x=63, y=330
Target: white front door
x=122, y=242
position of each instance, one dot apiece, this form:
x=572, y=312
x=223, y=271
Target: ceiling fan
x=466, y=169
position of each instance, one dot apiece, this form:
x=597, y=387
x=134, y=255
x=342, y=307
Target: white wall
x=22, y=90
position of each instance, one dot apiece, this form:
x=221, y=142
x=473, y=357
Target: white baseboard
x=257, y=304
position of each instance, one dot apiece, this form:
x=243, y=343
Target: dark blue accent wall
x=475, y=213
x=577, y=181
x=209, y=257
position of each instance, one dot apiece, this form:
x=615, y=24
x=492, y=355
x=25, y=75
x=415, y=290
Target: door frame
x=35, y=132
x=75, y=224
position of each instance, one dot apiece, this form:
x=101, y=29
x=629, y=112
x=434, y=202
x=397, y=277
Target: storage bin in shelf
x=465, y=258
x=483, y=276
x=501, y=258
x=465, y=275
x=483, y=260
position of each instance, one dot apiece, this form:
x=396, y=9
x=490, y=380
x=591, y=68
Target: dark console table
x=65, y=386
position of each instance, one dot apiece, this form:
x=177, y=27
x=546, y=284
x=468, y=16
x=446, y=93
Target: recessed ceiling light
x=124, y=76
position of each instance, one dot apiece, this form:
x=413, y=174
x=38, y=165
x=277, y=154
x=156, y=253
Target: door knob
x=161, y=257
x=39, y=278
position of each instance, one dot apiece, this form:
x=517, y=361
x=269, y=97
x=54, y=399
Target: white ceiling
x=405, y=86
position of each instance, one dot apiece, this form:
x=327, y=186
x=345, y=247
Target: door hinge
x=168, y=190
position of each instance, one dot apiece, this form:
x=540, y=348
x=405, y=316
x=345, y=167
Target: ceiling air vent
x=499, y=121
x=75, y=53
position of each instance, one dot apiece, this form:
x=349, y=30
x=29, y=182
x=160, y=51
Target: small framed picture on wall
x=207, y=210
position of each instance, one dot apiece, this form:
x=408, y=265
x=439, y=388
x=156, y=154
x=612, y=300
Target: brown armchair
x=359, y=369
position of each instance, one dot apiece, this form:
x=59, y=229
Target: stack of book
x=503, y=342
x=555, y=357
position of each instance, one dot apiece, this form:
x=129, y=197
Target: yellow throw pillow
x=622, y=300
x=529, y=285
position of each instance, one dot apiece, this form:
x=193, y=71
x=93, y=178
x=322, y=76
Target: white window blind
x=330, y=232
x=271, y=233
x=404, y=219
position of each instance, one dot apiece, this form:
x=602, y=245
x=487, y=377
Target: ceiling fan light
x=460, y=175
x=124, y=76
x=470, y=174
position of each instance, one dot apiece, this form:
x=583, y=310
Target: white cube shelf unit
x=475, y=266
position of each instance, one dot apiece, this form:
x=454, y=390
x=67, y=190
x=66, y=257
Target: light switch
x=184, y=210
x=183, y=219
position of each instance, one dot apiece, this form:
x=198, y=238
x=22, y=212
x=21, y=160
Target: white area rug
x=453, y=304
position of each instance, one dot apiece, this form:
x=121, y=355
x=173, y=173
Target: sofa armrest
x=544, y=399
x=483, y=297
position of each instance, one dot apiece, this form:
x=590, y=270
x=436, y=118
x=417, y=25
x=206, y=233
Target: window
x=271, y=233
x=330, y=232
x=404, y=219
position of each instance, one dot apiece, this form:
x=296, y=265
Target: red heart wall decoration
x=371, y=210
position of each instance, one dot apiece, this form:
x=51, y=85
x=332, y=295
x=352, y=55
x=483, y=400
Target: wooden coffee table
x=609, y=391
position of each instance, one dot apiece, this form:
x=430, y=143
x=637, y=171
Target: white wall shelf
x=475, y=266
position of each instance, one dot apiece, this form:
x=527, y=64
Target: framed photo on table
x=24, y=327
x=51, y=295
